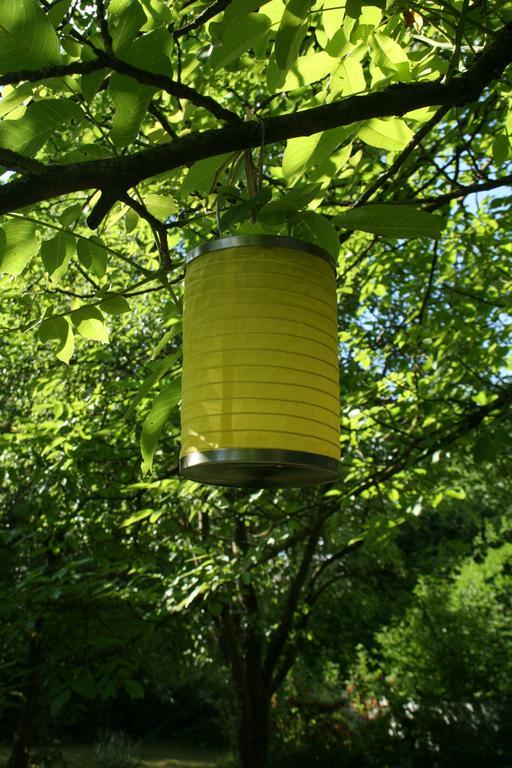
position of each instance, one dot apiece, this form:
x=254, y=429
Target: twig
x=402, y=157
x=202, y=18
x=428, y=291
x=155, y=110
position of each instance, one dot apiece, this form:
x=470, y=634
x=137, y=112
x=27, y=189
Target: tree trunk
x=23, y=737
x=253, y=733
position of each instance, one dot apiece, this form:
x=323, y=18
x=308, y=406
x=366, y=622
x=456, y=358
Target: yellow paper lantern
x=260, y=393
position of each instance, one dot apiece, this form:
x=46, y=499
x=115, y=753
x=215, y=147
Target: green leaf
x=59, y=701
x=131, y=99
x=501, y=148
x=392, y=134
x=308, y=69
x=276, y=213
x=243, y=210
x=489, y=444
x=134, y=689
x=143, y=514
x=27, y=37
x=239, y=36
x=393, y=495
x=126, y=18
x=158, y=13
x=115, y=305
x=89, y=323
x=161, y=206
x=92, y=255
x=86, y=152
x=56, y=253
x=71, y=214
x=11, y=99
x=155, y=421
x=401, y=221
x=18, y=244
x=28, y=133
x=89, y=84
x=59, y=328
x=348, y=78
x=131, y=220
x=159, y=369
x=57, y=12
x=305, y=152
x=85, y=686
x=174, y=330
x=202, y=174
x=388, y=54
x=291, y=32
x=315, y=228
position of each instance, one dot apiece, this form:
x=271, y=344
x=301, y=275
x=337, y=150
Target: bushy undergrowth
x=115, y=750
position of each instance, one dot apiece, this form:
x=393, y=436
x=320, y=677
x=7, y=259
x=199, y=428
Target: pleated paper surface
x=260, y=352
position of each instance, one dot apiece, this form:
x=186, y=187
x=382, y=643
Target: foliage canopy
x=135, y=130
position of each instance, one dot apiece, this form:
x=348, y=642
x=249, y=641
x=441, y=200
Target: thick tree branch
x=16, y=162
x=285, y=624
x=126, y=172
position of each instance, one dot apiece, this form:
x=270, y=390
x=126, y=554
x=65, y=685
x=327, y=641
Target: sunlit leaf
x=60, y=330
x=401, y=221
x=89, y=323
x=155, y=421
x=392, y=134
x=56, y=254
x=28, y=133
x=161, y=206
x=18, y=244
x=291, y=32
x=239, y=36
x=315, y=228
x=92, y=255
x=27, y=37
x=115, y=305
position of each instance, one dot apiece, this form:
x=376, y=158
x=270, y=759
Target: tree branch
x=202, y=18
x=46, y=73
x=16, y=162
x=172, y=87
x=285, y=624
x=428, y=290
x=126, y=172
x=402, y=157
x=109, y=61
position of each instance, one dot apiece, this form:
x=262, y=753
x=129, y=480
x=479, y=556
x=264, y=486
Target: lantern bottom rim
x=259, y=468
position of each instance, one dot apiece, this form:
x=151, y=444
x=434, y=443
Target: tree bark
x=24, y=734
x=253, y=734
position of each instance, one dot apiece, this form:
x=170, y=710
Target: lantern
x=260, y=393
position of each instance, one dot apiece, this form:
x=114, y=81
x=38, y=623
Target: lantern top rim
x=267, y=241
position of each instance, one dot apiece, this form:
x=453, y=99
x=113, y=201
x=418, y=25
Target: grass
x=152, y=756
